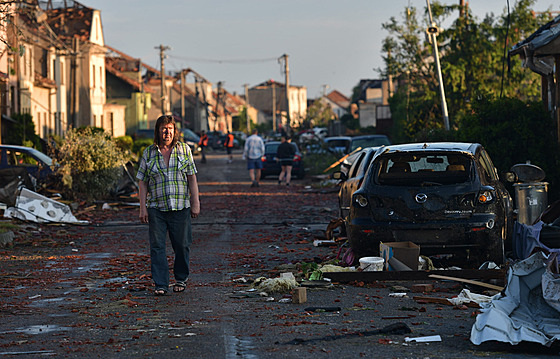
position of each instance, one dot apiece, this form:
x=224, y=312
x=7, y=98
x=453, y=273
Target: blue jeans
x=178, y=225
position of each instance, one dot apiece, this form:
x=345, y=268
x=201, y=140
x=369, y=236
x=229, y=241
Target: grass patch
x=6, y=227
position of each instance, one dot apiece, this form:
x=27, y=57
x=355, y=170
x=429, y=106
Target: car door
x=348, y=187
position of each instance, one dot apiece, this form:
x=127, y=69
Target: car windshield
x=369, y=142
x=337, y=143
x=423, y=169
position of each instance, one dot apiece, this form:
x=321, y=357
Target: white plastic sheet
x=521, y=313
x=31, y=206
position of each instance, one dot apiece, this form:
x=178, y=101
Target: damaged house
x=58, y=75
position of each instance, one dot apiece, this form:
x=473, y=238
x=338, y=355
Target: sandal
x=160, y=292
x=179, y=287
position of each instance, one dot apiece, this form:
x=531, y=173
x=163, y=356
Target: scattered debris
x=430, y=338
x=394, y=329
x=520, y=312
x=481, y=284
x=397, y=295
x=275, y=285
x=466, y=297
x=31, y=206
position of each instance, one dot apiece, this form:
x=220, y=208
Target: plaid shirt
x=168, y=188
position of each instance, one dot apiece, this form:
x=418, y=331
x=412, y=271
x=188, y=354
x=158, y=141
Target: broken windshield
x=423, y=169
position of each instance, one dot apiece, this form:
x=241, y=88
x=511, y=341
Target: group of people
x=169, y=199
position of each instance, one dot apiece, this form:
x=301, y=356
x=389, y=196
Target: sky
x=331, y=44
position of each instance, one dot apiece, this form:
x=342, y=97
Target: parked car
x=353, y=179
x=191, y=139
x=445, y=197
x=316, y=133
x=368, y=141
x=338, y=144
x=38, y=165
x=271, y=166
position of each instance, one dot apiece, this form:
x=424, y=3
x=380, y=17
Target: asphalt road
x=85, y=291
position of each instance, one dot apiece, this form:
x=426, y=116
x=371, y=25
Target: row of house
x=55, y=66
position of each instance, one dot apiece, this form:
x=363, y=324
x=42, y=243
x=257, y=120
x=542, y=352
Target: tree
x=472, y=61
x=319, y=114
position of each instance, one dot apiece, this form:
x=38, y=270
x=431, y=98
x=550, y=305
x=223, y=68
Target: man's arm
x=195, y=201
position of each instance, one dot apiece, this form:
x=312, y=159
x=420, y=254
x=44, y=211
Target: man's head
x=165, y=132
x=283, y=138
x=255, y=131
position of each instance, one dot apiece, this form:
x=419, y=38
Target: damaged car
x=445, y=197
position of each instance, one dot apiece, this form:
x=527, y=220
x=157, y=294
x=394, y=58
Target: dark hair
x=163, y=121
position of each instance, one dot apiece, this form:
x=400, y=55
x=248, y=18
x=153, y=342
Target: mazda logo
x=421, y=197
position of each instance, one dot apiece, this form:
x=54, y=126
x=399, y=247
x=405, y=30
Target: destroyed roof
x=544, y=42
x=70, y=22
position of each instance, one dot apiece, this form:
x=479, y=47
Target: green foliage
x=513, y=132
x=23, y=132
x=140, y=145
x=350, y=122
x=317, y=163
x=472, y=57
x=319, y=114
x=124, y=143
x=90, y=163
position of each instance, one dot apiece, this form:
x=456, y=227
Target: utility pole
x=433, y=31
x=287, y=74
x=247, y=108
x=75, y=93
x=183, y=77
x=273, y=106
x=197, y=122
x=162, y=50
x=218, y=103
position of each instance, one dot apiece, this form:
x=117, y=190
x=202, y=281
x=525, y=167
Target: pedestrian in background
x=285, y=155
x=203, y=143
x=253, y=151
x=228, y=144
x=168, y=200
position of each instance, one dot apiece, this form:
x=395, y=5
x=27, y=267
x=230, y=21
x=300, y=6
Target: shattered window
x=423, y=169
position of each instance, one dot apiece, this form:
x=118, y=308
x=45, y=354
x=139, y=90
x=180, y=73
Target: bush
x=90, y=164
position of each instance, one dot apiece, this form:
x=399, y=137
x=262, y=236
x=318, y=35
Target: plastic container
x=371, y=264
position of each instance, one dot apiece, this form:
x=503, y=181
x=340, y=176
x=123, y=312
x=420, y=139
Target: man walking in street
x=168, y=200
x=203, y=143
x=228, y=144
x=253, y=151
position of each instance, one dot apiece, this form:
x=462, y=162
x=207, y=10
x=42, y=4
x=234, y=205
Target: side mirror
x=338, y=175
x=511, y=177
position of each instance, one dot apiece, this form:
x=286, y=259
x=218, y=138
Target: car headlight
x=361, y=200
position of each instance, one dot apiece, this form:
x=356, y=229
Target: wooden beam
x=346, y=277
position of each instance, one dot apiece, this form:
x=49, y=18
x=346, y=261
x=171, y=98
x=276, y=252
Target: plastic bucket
x=371, y=264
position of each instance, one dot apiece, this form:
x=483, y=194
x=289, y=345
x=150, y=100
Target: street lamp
x=433, y=31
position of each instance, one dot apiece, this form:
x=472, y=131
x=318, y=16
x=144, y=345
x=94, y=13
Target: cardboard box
x=406, y=252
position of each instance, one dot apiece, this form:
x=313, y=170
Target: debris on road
x=430, y=338
x=521, y=312
x=31, y=206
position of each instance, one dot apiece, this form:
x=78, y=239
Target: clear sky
x=330, y=43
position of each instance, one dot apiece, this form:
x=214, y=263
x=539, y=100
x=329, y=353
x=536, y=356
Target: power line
x=225, y=61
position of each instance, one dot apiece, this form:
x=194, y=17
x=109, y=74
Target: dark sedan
x=368, y=141
x=271, y=166
x=353, y=179
x=445, y=197
x=37, y=164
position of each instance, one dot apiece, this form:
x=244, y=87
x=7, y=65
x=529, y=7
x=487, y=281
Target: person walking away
x=285, y=154
x=253, y=151
x=228, y=144
x=203, y=143
x=168, y=200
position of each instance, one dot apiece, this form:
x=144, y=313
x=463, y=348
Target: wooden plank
x=481, y=284
x=346, y=277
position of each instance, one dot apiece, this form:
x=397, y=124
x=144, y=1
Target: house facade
x=270, y=99
x=57, y=74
